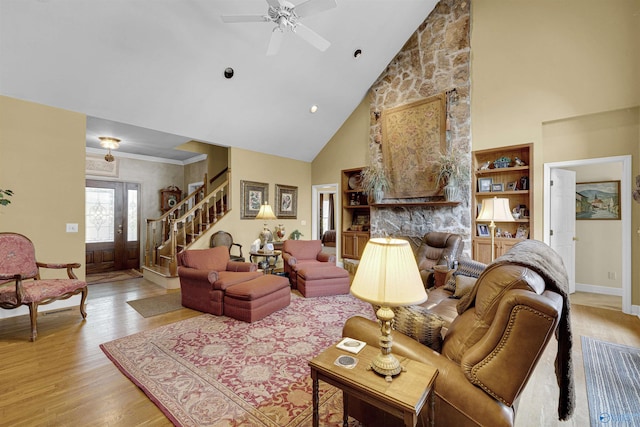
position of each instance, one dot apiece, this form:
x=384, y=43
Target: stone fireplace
x=435, y=60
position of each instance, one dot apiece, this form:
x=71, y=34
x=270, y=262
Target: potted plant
x=4, y=197
x=453, y=171
x=374, y=181
x=295, y=235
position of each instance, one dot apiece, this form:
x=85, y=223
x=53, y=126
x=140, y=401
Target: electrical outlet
x=613, y=275
x=72, y=228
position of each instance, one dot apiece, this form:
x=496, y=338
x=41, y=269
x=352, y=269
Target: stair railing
x=181, y=226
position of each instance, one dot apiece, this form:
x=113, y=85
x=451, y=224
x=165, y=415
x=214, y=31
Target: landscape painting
x=598, y=200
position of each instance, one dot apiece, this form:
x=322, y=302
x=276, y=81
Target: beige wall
x=550, y=72
x=258, y=167
x=42, y=159
x=217, y=158
x=348, y=148
x=613, y=133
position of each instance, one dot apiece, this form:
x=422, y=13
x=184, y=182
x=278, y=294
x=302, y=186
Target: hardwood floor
x=65, y=379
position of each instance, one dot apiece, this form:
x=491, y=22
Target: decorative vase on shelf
x=451, y=191
x=378, y=195
x=280, y=233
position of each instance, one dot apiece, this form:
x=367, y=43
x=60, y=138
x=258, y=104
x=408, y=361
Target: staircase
x=180, y=227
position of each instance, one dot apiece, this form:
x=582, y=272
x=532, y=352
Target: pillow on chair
x=466, y=267
x=420, y=324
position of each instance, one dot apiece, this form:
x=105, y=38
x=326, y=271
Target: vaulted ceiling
x=152, y=72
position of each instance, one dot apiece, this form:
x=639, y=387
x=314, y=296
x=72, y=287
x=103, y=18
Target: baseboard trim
x=594, y=289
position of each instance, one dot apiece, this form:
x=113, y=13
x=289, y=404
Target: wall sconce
x=109, y=143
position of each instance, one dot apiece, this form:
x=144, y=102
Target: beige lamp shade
x=266, y=212
x=495, y=210
x=388, y=274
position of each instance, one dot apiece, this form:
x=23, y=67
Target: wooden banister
x=181, y=226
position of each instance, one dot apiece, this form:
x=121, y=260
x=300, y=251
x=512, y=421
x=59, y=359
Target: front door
x=112, y=226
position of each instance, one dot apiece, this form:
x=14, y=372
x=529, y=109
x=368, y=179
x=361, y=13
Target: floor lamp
x=495, y=210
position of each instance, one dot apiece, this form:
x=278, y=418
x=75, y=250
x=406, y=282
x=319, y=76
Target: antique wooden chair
x=222, y=238
x=20, y=282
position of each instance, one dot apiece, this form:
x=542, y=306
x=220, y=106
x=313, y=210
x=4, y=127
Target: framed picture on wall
x=253, y=194
x=286, y=201
x=598, y=200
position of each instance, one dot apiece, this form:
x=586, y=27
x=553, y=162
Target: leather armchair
x=434, y=248
x=297, y=254
x=205, y=274
x=488, y=353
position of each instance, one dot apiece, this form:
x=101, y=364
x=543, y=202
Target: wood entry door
x=112, y=226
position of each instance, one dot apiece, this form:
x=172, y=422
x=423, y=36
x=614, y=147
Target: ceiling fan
x=286, y=16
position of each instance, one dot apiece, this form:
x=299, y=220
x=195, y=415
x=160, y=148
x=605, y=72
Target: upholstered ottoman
x=257, y=298
x=319, y=281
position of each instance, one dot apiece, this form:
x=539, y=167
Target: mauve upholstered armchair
x=205, y=274
x=21, y=284
x=297, y=254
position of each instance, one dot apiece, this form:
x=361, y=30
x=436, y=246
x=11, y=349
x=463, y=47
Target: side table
x=403, y=398
x=270, y=259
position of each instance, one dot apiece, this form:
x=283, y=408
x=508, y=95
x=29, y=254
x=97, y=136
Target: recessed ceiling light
x=313, y=108
x=228, y=72
x=357, y=53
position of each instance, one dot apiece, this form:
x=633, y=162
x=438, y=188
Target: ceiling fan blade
x=274, y=3
x=233, y=19
x=311, y=7
x=277, y=35
x=311, y=37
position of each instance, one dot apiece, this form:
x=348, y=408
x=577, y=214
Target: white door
x=562, y=222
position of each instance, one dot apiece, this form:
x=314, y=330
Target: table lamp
x=388, y=276
x=265, y=213
x=495, y=210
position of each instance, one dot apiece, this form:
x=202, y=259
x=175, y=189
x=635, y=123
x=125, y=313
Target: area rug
x=217, y=371
x=160, y=304
x=612, y=374
x=112, y=276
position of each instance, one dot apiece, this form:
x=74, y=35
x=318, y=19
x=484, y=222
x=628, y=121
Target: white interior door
x=563, y=220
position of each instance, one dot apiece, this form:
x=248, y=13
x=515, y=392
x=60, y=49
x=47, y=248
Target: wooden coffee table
x=404, y=397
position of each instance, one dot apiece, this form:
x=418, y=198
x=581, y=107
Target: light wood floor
x=64, y=379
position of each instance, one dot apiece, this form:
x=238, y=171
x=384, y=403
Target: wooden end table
x=404, y=397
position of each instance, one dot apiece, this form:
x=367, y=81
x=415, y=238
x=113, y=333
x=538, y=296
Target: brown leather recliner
x=435, y=246
x=490, y=349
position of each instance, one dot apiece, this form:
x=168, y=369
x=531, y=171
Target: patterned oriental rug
x=612, y=374
x=217, y=371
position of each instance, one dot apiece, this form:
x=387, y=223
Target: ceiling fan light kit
x=286, y=16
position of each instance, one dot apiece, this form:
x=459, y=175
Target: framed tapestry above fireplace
x=413, y=137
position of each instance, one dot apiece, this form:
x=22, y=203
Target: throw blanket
x=539, y=257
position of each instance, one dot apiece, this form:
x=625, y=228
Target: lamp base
x=386, y=363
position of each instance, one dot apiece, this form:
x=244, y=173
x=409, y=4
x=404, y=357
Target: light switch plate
x=72, y=228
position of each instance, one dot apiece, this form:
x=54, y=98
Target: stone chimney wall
x=436, y=59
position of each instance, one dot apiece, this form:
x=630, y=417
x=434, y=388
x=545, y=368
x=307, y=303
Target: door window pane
x=100, y=206
x=132, y=215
